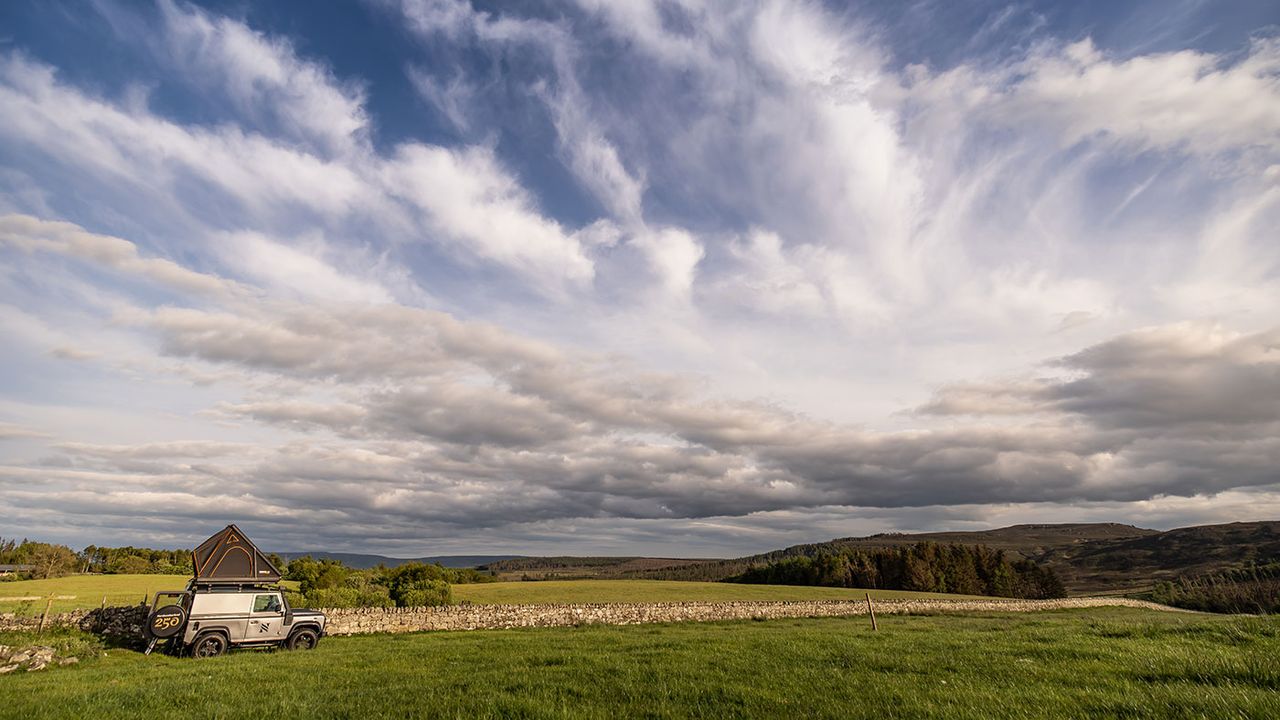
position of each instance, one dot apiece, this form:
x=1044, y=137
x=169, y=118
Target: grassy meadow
x=87, y=589
x=544, y=592
x=1067, y=664
x=130, y=589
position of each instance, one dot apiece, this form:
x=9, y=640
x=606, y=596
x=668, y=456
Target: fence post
x=871, y=611
x=45, y=617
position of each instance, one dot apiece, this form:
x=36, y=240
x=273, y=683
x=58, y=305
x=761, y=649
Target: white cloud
x=30, y=234
x=265, y=76
x=783, y=210
x=301, y=271
x=1190, y=101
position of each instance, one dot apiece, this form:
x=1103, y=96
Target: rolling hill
x=364, y=561
x=1089, y=557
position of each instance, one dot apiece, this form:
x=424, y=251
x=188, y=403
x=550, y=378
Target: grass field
x=617, y=591
x=88, y=591
x=1095, y=663
x=129, y=589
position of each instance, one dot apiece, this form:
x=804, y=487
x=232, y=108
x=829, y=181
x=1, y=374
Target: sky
x=677, y=278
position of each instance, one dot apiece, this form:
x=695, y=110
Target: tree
x=51, y=561
x=130, y=565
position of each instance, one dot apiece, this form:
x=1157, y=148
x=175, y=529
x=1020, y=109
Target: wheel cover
x=209, y=647
x=166, y=622
x=304, y=641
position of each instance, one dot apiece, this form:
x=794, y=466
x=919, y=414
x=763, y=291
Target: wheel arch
x=222, y=630
x=306, y=625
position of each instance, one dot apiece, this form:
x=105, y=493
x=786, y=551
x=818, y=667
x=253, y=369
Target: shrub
x=424, y=593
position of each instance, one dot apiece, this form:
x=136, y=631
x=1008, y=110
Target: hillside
x=1088, y=557
x=364, y=561
x=1135, y=562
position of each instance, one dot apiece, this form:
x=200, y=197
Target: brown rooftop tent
x=230, y=557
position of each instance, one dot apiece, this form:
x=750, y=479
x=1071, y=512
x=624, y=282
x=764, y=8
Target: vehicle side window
x=266, y=603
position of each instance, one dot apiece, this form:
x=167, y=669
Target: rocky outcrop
x=35, y=657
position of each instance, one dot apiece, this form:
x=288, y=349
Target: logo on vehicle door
x=263, y=627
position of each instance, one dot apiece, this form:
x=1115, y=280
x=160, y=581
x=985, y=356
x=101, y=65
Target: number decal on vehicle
x=167, y=621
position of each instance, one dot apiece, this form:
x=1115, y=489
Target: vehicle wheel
x=209, y=645
x=303, y=640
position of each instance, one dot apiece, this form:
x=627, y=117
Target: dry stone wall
x=360, y=621
x=124, y=624
x=119, y=625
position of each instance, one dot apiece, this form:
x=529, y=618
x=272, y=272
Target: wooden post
x=45, y=617
x=872, y=611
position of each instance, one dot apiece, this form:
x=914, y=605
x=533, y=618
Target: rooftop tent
x=229, y=556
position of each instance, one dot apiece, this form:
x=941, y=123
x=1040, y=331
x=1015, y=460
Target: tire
x=304, y=639
x=209, y=645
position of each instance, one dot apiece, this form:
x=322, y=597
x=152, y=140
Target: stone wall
x=124, y=624
x=119, y=625
x=483, y=617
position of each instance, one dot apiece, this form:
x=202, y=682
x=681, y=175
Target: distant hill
x=577, y=568
x=1088, y=557
x=363, y=561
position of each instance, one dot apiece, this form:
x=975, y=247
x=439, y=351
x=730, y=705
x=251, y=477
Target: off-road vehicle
x=233, y=601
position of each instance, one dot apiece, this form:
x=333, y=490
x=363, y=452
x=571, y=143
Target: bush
x=129, y=565
x=333, y=598
x=1254, y=589
x=425, y=593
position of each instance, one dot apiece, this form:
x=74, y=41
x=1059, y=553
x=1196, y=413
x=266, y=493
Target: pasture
x=130, y=589
x=619, y=591
x=88, y=590
x=1099, y=662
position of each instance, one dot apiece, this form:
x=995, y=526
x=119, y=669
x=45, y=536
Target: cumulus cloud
x=532, y=432
x=1197, y=375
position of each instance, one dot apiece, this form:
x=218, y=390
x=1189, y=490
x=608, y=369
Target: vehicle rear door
x=266, y=618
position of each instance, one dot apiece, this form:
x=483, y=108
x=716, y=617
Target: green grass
x=1069, y=664
x=88, y=591
x=130, y=589
x=617, y=591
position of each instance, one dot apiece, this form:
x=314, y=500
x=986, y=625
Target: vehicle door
x=266, y=618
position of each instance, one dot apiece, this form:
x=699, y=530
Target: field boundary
x=125, y=622
x=361, y=621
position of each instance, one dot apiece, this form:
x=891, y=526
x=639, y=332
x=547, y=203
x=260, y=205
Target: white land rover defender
x=205, y=621
x=233, y=601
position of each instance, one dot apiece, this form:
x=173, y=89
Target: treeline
x=48, y=560
x=43, y=560
x=926, y=567
x=1254, y=589
x=331, y=584
x=130, y=560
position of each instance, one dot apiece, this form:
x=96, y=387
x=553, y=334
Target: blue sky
x=675, y=278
